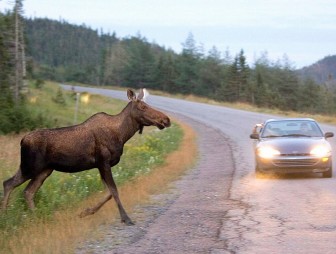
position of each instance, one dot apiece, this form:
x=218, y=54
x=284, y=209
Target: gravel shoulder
x=186, y=219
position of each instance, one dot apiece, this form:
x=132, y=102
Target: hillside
x=68, y=53
x=62, y=51
x=323, y=71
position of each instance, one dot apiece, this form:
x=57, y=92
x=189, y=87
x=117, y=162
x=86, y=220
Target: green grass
x=63, y=114
x=61, y=191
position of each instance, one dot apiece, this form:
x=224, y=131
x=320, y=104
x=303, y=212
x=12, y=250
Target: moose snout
x=166, y=122
x=163, y=122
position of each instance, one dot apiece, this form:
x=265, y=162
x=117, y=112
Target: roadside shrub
x=59, y=97
x=17, y=118
x=39, y=83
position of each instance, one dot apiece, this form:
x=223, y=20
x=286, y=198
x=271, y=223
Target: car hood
x=293, y=145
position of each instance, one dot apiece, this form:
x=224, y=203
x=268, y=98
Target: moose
x=96, y=143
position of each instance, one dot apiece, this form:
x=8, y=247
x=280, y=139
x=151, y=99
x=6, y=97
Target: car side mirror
x=328, y=134
x=254, y=136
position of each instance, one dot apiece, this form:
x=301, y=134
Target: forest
x=44, y=49
x=69, y=53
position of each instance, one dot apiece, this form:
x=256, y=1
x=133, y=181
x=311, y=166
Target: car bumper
x=294, y=164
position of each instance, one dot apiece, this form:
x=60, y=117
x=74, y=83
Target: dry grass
x=9, y=154
x=322, y=118
x=330, y=119
x=66, y=229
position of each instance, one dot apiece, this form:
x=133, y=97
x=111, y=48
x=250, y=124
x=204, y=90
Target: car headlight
x=320, y=151
x=267, y=152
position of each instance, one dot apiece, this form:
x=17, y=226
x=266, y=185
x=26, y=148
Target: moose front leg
x=107, y=178
x=109, y=181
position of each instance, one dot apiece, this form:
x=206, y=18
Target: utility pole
x=76, y=108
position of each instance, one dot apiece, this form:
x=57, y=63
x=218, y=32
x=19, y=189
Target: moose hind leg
x=34, y=185
x=10, y=184
x=92, y=210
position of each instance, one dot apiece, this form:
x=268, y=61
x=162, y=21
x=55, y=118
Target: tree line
x=57, y=50
x=71, y=53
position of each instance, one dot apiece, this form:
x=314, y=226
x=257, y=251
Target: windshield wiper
x=272, y=136
x=295, y=135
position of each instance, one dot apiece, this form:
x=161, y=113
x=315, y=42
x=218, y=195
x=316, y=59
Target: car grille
x=295, y=162
x=295, y=154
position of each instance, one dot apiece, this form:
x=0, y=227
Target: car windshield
x=291, y=128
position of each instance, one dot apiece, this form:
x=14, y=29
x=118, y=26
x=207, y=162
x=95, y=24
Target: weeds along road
x=220, y=207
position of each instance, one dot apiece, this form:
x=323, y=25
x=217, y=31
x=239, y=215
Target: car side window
x=257, y=128
x=271, y=131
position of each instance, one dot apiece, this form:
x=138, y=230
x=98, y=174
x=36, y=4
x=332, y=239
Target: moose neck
x=128, y=125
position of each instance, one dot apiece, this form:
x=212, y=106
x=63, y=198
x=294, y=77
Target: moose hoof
x=86, y=212
x=128, y=222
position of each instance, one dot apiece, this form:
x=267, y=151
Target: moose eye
x=142, y=106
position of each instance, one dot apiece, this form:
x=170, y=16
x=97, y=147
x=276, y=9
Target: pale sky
x=304, y=30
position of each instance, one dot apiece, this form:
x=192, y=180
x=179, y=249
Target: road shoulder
x=187, y=218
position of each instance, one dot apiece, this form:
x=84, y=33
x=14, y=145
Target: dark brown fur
x=96, y=143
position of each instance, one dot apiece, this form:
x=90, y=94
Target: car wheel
x=327, y=174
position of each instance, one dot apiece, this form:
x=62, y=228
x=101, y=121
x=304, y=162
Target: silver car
x=293, y=145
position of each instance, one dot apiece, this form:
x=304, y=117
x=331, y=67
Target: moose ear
x=141, y=95
x=131, y=95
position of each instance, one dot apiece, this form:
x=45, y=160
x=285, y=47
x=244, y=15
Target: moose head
x=144, y=114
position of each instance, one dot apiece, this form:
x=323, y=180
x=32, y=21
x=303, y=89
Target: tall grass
x=61, y=191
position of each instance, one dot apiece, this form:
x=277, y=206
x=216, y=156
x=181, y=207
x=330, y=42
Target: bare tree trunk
x=23, y=59
x=19, y=51
x=16, y=53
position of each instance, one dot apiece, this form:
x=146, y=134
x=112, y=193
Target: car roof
x=289, y=119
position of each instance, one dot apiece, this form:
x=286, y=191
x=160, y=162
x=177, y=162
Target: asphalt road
x=272, y=215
